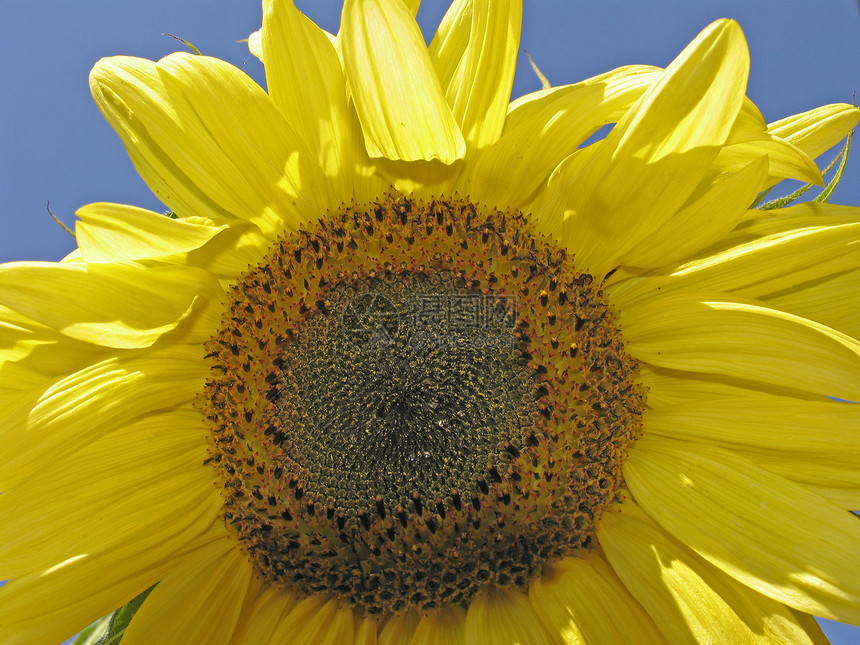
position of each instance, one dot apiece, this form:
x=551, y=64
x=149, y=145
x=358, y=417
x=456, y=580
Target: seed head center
x=410, y=401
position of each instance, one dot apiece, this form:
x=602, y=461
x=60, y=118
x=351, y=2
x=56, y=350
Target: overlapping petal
x=48, y=606
x=763, y=257
x=749, y=522
x=193, y=126
x=476, y=53
x=655, y=157
x=707, y=218
x=816, y=131
x=121, y=306
x=824, y=301
x=583, y=601
x=398, y=628
x=805, y=441
x=306, y=82
x=127, y=478
x=543, y=128
x=32, y=353
x=403, y=111
x=446, y=626
x=498, y=615
x=750, y=139
x=280, y=177
x=690, y=600
x=69, y=412
x=198, y=601
x=744, y=340
x=257, y=624
x=116, y=232
x=109, y=233
x=316, y=619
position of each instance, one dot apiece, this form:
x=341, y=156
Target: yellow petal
x=420, y=179
x=269, y=167
x=114, y=232
x=258, y=623
x=817, y=130
x=704, y=221
x=52, y=605
x=763, y=257
x=845, y=498
x=399, y=629
x=197, y=602
x=126, y=479
x=581, y=600
x=805, y=441
x=412, y=5
x=306, y=81
x=230, y=253
x=544, y=127
x=689, y=599
x=365, y=631
x=77, y=611
x=74, y=410
x=449, y=44
x=207, y=140
x=445, y=626
x=114, y=305
x=132, y=98
x=673, y=387
x=479, y=88
x=743, y=340
x=819, y=301
x=766, y=532
x=402, y=109
x=32, y=353
x=657, y=154
x=255, y=44
x=17, y=379
x=750, y=140
x=785, y=161
x=316, y=620
x=813, y=629
x=504, y=617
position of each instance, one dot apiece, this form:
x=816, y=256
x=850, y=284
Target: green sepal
x=782, y=202
x=185, y=42
x=110, y=629
x=544, y=81
x=761, y=196
x=823, y=196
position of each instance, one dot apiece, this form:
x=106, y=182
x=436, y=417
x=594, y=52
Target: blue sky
x=54, y=145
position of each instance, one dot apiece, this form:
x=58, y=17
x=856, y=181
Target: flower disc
x=410, y=401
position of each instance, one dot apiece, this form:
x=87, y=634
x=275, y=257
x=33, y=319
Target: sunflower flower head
x=412, y=363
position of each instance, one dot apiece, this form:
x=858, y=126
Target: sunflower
x=409, y=363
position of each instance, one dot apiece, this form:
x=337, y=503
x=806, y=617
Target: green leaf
x=92, y=634
x=110, y=629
